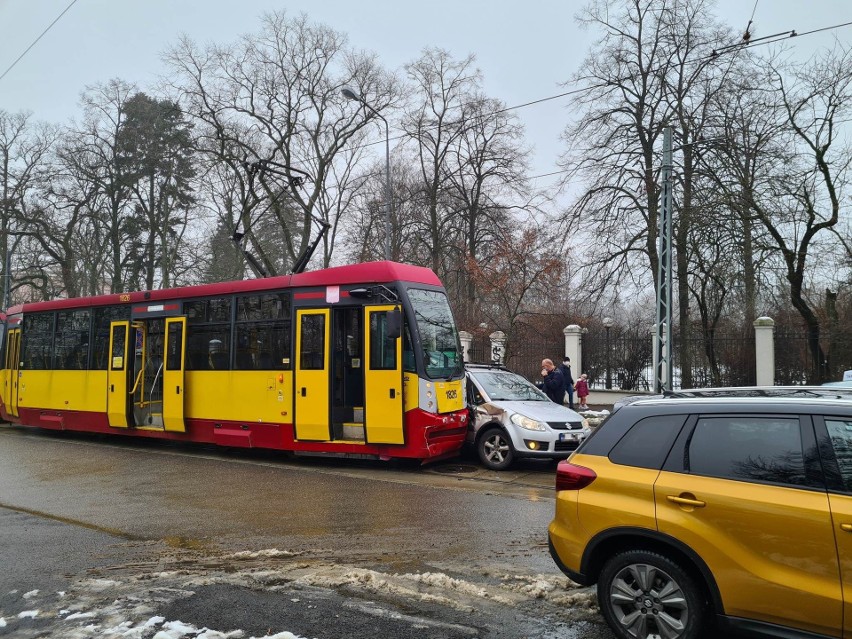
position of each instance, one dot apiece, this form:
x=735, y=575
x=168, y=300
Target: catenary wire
x=27, y=50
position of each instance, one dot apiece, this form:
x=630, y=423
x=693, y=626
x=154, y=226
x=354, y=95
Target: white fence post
x=466, y=340
x=498, y=347
x=764, y=351
x=573, y=342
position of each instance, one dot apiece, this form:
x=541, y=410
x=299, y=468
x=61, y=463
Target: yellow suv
x=724, y=513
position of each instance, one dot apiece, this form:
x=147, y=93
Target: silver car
x=511, y=418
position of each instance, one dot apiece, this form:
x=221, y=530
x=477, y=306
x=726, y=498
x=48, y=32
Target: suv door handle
x=686, y=501
x=846, y=527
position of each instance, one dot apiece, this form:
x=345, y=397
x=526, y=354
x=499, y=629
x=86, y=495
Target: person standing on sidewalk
x=565, y=369
x=554, y=384
x=582, y=388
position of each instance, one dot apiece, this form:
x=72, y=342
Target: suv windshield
x=438, y=335
x=508, y=386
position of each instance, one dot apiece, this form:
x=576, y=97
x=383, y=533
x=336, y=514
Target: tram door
x=312, y=375
x=173, y=375
x=382, y=379
x=13, y=362
x=117, y=393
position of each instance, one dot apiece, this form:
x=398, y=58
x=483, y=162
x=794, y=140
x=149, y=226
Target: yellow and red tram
x=361, y=360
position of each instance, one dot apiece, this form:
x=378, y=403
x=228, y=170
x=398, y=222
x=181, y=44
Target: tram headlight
x=525, y=422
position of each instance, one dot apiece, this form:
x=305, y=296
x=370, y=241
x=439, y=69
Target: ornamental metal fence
x=623, y=359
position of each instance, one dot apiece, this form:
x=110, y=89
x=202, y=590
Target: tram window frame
x=208, y=333
x=102, y=319
x=37, y=348
x=263, y=319
x=71, y=339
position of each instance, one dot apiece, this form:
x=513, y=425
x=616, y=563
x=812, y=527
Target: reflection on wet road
x=356, y=528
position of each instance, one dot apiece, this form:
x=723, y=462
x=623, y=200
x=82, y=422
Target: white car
x=511, y=418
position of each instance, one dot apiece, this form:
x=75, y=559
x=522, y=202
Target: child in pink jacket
x=581, y=387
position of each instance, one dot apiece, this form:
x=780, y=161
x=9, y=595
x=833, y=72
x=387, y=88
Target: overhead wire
x=34, y=42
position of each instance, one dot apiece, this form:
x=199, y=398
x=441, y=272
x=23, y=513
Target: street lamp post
x=350, y=94
x=607, y=322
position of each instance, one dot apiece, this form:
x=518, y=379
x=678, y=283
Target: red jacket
x=581, y=386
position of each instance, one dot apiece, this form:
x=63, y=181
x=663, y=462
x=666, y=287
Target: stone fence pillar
x=466, y=340
x=573, y=348
x=764, y=351
x=498, y=347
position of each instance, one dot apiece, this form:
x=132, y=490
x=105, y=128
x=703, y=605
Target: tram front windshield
x=439, y=339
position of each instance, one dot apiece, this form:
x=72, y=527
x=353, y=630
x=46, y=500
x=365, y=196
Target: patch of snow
x=2, y=622
x=30, y=594
x=28, y=614
x=270, y=552
x=80, y=615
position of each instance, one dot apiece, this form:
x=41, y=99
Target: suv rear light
x=572, y=477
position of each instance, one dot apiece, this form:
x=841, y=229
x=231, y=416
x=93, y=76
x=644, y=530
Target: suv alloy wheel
x=643, y=594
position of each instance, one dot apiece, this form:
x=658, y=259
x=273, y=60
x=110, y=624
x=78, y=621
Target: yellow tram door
x=173, y=375
x=118, y=399
x=13, y=363
x=382, y=379
x=312, y=375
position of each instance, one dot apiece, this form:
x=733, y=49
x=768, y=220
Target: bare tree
x=24, y=148
x=814, y=97
x=272, y=104
x=442, y=90
x=91, y=150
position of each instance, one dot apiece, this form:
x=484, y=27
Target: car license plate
x=563, y=436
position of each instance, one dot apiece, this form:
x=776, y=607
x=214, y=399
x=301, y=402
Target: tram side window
x=100, y=343
x=38, y=341
x=263, y=332
x=382, y=347
x=71, y=344
x=208, y=334
x=312, y=355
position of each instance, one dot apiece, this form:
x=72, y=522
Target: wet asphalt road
x=113, y=532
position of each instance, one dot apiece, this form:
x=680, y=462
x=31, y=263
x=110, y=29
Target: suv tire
x=495, y=449
x=639, y=591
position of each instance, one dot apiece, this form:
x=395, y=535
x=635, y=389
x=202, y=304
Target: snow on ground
x=126, y=606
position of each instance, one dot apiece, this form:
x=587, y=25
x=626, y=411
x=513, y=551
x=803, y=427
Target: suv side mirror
x=394, y=323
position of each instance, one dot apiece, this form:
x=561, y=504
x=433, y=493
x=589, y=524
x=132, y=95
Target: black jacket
x=554, y=386
x=566, y=376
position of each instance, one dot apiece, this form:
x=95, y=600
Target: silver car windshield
x=508, y=387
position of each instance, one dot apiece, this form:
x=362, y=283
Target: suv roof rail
x=826, y=392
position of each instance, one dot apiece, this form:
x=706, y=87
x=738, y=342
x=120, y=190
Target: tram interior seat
x=265, y=361
x=245, y=361
x=219, y=361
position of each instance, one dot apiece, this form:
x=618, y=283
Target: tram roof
x=362, y=273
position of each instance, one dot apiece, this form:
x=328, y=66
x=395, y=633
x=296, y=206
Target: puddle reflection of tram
x=340, y=361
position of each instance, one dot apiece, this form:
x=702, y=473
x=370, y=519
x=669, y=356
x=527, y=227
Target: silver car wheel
x=495, y=449
x=648, y=603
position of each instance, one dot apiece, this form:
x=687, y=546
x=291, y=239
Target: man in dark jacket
x=565, y=369
x=554, y=383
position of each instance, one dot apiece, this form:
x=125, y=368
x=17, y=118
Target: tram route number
x=452, y=393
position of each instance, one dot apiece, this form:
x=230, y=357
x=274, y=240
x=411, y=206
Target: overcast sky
x=525, y=49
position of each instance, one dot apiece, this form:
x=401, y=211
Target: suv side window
x=840, y=432
x=648, y=442
x=748, y=448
